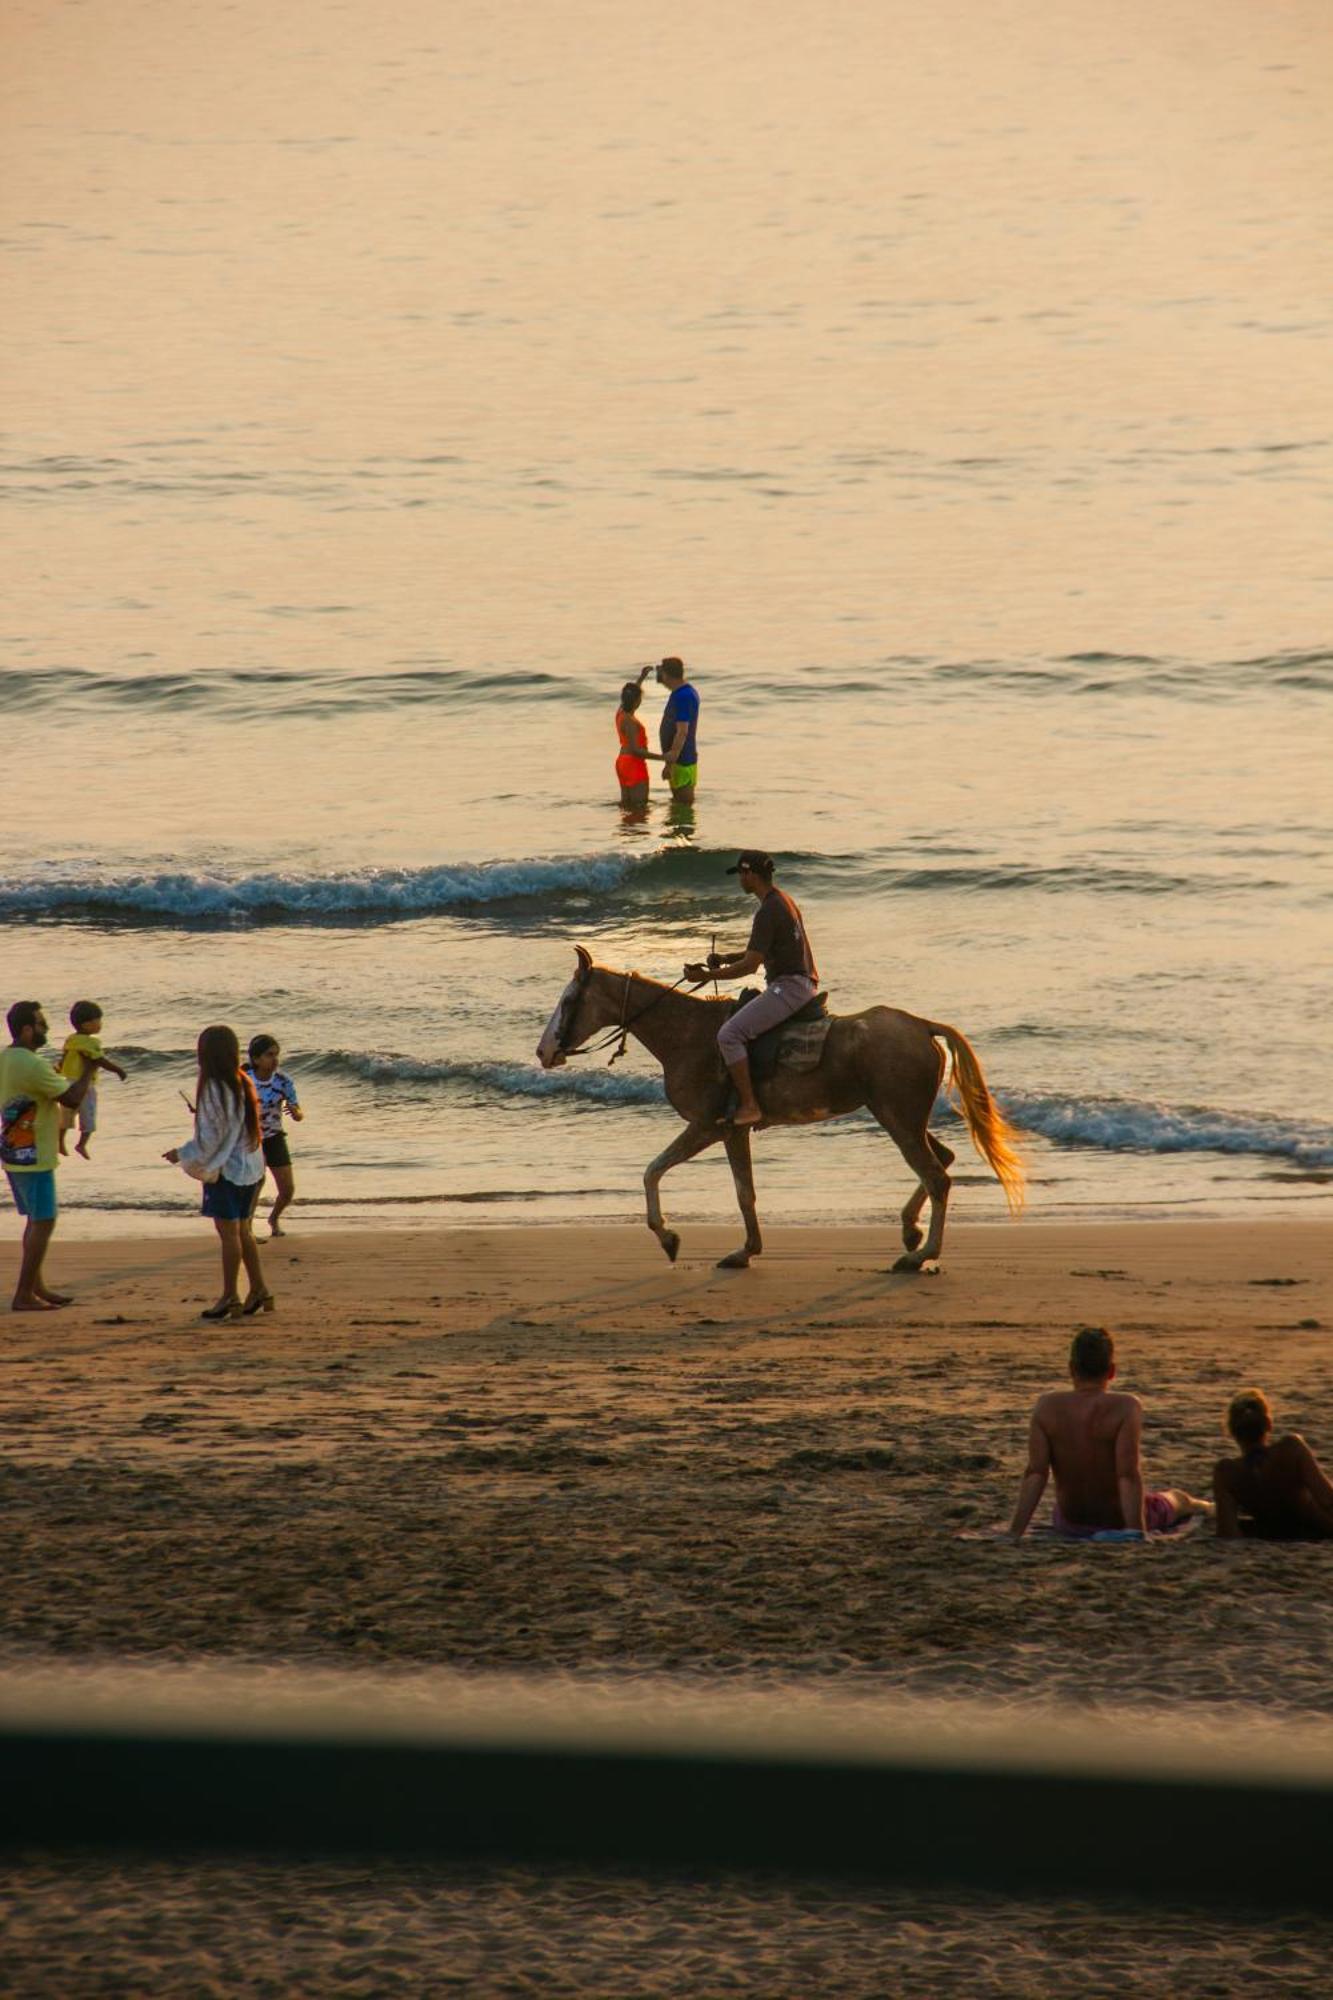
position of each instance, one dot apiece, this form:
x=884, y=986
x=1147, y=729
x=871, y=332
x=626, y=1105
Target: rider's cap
x=755, y=860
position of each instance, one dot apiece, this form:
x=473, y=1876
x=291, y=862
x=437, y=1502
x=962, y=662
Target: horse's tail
x=992, y=1135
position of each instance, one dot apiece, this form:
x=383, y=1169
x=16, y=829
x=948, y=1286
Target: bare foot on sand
x=28, y=1302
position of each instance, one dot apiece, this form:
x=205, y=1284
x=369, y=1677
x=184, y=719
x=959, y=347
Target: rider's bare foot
x=749, y=1114
x=82, y=1149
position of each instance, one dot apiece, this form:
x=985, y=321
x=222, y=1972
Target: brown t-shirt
x=779, y=937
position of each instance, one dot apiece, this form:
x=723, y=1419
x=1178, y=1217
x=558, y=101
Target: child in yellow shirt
x=83, y=1046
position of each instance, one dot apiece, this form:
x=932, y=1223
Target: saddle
x=796, y=1043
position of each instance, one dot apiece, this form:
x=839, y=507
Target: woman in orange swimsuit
x=631, y=767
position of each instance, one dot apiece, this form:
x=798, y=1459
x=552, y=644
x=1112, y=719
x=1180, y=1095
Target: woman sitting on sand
x=1281, y=1487
x=227, y=1156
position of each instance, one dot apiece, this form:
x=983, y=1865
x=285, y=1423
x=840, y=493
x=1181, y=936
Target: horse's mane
x=661, y=986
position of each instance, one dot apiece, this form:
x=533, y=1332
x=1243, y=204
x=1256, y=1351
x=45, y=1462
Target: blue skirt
x=228, y=1201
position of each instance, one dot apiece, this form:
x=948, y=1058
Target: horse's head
x=579, y=1012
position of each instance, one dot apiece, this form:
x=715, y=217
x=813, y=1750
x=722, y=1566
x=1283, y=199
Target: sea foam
x=196, y=898
x=1103, y=1124
x=367, y=895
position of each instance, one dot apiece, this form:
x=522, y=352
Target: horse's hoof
x=912, y=1238
x=739, y=1260
x=917, y=1265
x=671, y=1244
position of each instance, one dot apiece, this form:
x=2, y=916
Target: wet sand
x=548, y=1450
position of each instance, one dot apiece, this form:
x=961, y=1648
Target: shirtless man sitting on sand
x=1090, y=1436
x=1281, y=1487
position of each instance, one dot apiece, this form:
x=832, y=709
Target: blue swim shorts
x=34, y=1194
x=229, y=1201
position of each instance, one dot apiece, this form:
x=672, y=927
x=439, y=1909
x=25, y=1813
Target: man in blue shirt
x=680, y=718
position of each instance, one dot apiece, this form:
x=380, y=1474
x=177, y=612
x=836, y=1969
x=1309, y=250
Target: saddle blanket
x=796, y=1047
x=796, y=1043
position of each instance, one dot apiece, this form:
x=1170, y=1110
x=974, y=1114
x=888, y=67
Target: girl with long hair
x=226, y=1154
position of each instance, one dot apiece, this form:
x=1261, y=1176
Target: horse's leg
x=923, y=1156
x=911, y=1209
x=946, y=1158
x=737, y=1141
x=694, y=1139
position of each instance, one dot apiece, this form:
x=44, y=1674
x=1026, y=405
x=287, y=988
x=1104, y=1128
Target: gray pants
x=786, y=996
x=85, y=1117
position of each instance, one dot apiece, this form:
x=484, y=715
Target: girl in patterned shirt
x=276, y=1093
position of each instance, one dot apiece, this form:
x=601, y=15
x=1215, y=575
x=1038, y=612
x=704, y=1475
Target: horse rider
x=777, y=942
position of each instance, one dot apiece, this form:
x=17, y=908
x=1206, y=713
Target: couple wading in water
x=679, y=755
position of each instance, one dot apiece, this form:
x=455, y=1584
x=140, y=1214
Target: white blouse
x=221, y=1145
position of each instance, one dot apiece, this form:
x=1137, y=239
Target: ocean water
x=948, y=386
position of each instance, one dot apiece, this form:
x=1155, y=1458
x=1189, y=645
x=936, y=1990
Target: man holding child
x=31, y=1094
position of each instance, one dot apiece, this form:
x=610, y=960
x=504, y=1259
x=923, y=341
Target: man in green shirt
x=30, y=1093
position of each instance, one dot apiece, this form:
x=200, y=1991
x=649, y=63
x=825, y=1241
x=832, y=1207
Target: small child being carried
x=81, y=1048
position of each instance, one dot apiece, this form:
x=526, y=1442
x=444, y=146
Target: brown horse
x=886, y=1060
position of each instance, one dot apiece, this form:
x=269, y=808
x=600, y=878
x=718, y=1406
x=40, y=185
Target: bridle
x=620, y=1033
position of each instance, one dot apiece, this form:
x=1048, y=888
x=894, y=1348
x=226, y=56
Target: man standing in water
x=1090, y=1437
x=777, y=942
x=30, y=1091
x=679, y=729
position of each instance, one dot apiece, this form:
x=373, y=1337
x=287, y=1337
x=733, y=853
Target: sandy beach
x=546, y=1449
x=945, y=388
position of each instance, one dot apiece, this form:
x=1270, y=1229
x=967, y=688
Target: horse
x=883, y=1059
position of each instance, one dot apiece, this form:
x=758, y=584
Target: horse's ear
x=585, y=961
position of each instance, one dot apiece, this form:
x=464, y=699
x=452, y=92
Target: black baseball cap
x=755, y=860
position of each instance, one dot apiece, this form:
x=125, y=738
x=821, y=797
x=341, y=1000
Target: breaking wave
x=489, y=1079
x=1103, y=1124
x=198, y=899
x=1100, y=1124
x=243, y=694
x=1128, y=1125
x=368, y=895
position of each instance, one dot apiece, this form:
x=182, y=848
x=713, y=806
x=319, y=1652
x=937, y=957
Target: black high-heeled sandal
x=261, y=1302
x=224, y=1309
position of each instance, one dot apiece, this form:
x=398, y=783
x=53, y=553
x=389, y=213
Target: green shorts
x=680, y=776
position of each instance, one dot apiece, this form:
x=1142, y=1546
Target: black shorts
x=277, y=1153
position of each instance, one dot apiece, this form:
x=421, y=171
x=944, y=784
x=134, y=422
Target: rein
x=620, y=1033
